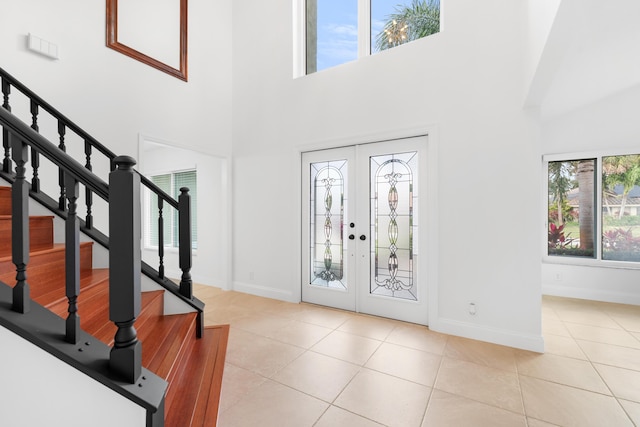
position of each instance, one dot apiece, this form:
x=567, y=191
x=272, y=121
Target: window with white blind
x=171, y=183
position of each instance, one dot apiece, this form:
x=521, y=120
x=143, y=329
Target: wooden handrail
x=12, y=81
x=123, y=197
x=83, y=175
x=124, y=221
x=158, y=191
x=61, y=159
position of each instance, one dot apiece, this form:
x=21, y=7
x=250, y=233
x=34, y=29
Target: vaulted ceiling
x=592, y=52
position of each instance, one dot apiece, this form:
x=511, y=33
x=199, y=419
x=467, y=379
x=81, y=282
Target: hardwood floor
x=192, y=367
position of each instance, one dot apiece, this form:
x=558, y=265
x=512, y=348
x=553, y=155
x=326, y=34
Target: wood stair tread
x=46, y=268
x=97, y=322
x=179, y=331
x=88, y=279
x=192, y=367
x=197, y=389
x=152, y=308
x=4, y=217
x=56, y=247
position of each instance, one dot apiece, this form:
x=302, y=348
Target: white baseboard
x=591, y=294
x=264, y=291
x=492, y=335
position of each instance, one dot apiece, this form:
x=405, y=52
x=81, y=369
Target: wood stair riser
x=40, y=234
x=5, y=200
x=46, y=268
x=93, y=309
x=192, y=367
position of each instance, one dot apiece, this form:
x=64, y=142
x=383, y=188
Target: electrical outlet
x=473, y=309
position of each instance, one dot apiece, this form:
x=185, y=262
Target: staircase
x=93, y=322
x=192, y=367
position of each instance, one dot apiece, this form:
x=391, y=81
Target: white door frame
x=431, y=246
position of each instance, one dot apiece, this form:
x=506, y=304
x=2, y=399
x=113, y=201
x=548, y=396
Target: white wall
x=609, y=124
x=466, y=82
x=211, y=259
x=589, y=102
x=540, y=16
x=63, y=396
x=114, y=97
x=589, y=55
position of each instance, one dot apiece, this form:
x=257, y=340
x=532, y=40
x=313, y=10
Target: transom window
x=339, y=31
x=593, y=208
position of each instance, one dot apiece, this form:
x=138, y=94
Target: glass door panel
x=361, y=216
x=392, y=201
x=327, y=276
x=328, y=208
x=391, y=279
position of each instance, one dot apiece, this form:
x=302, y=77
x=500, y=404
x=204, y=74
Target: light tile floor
x=302, y=365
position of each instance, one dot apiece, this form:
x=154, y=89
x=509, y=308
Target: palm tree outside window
x=593, y=207
x=339, y=31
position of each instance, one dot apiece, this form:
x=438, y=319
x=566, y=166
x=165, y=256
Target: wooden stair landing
x=192, y=367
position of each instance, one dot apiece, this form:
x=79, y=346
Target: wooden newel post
x=184, y=236
x=20, y=226
x=124, y=268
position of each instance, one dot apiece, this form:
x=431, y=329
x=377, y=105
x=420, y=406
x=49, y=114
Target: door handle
x=363, y=237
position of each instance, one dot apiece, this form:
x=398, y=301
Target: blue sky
x=338, y=28
x=337, y=32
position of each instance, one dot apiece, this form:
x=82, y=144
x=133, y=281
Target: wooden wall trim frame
x=113, y=43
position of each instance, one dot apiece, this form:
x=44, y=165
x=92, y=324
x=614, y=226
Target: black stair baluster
x=6, y=162
x=72, y=259
x=88, y=195
x=184, y=252
x=20, y=226
x=125, y=359
x=35, y=156
x=184, y=239
x=160, y=237
x=62, y=130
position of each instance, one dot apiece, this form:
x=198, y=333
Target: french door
x=363, y=215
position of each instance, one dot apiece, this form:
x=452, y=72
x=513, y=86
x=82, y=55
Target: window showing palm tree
x=574, y=210
x=395, y=25
x=621, y=210
x=570, y=210
x=339, y=31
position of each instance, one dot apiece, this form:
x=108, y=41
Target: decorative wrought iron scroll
x=327, y=217
x=393, y=216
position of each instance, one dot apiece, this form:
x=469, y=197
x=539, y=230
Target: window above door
x=333, y=32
